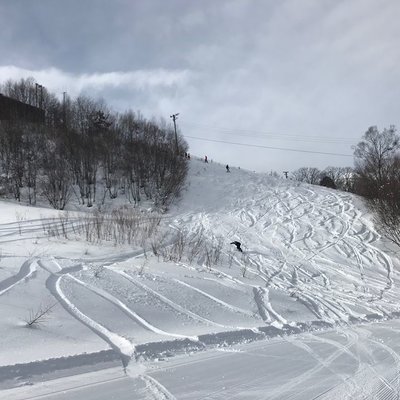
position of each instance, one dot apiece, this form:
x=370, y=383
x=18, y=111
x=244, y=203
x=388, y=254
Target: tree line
x=88, y=151
x=341, y=178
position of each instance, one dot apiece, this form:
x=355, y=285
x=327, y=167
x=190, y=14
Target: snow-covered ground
x=308, y=310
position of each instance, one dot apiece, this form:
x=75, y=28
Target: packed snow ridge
x=311, y=260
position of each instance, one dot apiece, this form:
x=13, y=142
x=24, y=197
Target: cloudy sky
x=261, y=84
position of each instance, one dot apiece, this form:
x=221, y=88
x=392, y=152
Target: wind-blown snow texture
x=311, y=262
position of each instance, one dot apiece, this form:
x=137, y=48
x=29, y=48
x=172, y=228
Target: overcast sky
x=308, y=75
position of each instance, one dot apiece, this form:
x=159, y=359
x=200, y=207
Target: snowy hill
x=310, y=253
x=311, y=262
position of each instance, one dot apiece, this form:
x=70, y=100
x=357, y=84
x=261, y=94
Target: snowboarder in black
x=237, y=244
x=227, y=168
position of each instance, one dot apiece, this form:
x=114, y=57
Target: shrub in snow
x=40, y=316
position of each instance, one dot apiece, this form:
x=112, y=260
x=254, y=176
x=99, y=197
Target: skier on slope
x=237, y=244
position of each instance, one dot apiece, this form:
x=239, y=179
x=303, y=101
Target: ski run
x=309, y=310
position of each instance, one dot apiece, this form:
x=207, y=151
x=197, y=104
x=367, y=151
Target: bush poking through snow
x=191, y=247
x=97, y=272
x=136, y=227
x=143, y=266
x=120, y=226
x=39, y=316
x=175, y=250
x=197, y=244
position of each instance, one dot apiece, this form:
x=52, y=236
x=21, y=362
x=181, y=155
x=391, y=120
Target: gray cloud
x=326, y=69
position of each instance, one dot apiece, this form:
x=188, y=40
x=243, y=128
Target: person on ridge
x=227, y=168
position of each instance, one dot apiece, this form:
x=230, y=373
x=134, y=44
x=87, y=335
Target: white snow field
x=309, y=310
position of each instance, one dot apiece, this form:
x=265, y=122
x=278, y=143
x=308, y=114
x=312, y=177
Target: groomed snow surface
x=309, y=309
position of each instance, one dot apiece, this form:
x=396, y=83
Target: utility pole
x=41, y=97
x=36, y=95
x=65, y=109
x=174, y=118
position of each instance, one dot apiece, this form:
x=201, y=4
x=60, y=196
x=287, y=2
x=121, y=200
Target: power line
x=245, y=131
x=278, y=135
x=270, y=147
x=272, y=137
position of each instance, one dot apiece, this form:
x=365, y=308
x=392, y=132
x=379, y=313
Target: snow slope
x=311, y=262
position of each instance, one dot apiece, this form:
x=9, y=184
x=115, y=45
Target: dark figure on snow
x=237, y=244
x=205, y=159
x=227, y=168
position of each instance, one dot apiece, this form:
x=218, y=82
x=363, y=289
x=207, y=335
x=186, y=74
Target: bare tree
x=386, y=207
x=378, y=178
x=308, y=175
x=33, y=143
x=83, y=143
x=342, y=177
x=373, y=156
x=56, y=183
x=345, y=180
x=14, y=162
x=23, y=90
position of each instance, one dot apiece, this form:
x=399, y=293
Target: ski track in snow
x=369, y=381
x=137, y=318
x=117, y=342
x=158, y=391
x=36, y=228
x=223, y=303
x=169, y=302
x=27, y=269
x=311, y=245
x=322, y=363
x=339, y=221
